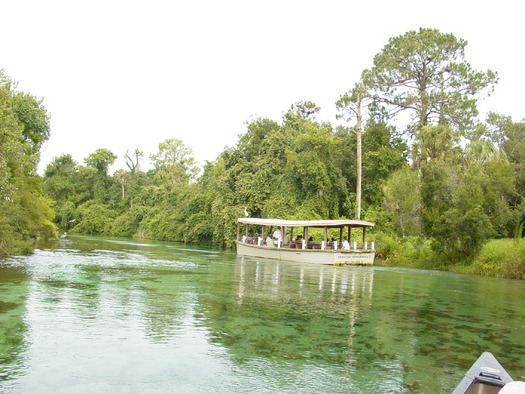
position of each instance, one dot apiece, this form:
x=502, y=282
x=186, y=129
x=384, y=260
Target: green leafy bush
x=502, y=258
x=94, y=218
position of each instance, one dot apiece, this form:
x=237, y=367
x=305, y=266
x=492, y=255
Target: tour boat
x=487, y=376
x=289, y=240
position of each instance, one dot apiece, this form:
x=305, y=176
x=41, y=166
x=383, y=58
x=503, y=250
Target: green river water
x=95, y=315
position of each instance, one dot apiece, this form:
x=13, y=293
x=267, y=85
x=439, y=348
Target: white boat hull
x=316, y=256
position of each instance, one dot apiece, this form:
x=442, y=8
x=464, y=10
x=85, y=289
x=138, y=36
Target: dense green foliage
x=437, y=194
x=503, y=258
x=293, y=169
x=25, y=213
x=460, y=197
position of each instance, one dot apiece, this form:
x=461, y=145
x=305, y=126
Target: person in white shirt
x=277, y=234
x=346, y=244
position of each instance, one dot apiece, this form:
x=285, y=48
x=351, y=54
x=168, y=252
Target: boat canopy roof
x=306, y=223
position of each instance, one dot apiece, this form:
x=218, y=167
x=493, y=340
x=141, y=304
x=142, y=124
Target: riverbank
x=501, y=258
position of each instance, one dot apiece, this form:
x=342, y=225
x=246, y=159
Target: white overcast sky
x=131, y=74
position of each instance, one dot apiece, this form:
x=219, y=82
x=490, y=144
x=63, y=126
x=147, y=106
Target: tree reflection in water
x=13, y=329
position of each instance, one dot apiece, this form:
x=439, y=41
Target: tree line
x=444, y=181
x=25, y=212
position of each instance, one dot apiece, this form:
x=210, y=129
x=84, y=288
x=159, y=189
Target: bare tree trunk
x=359, y=133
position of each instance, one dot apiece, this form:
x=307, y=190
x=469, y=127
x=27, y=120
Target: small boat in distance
x=486, y=376
x=274, y=239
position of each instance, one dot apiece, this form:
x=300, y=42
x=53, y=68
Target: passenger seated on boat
x=346, y=244
x=298, y=242
x=269, y=241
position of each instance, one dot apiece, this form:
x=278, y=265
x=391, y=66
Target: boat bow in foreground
x=487, y=376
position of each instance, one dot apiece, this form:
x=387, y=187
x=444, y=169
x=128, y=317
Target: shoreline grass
x=501, y=258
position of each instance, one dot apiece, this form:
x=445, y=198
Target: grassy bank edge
x=502, y=258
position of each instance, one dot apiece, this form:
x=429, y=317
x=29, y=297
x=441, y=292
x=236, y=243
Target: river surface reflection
x=114, y=315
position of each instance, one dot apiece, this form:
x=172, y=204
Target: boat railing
x=303, y=244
